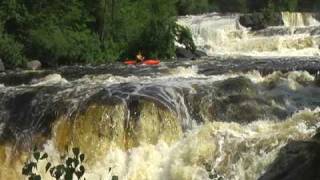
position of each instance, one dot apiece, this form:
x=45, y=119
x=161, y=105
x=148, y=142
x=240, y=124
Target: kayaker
x=139, y=57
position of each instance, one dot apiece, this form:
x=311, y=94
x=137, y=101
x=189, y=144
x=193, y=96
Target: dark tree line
x=85, y=31
x=98, y=31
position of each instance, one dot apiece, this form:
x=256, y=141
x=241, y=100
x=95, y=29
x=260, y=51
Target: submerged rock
x=1, y=66
x=34, y=65
x=298, y=160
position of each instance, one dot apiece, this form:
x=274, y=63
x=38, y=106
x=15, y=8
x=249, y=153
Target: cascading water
x=168, y=125
x=218, y=34
x=294, y=19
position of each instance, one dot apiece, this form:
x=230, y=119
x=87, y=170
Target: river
x=232, y=111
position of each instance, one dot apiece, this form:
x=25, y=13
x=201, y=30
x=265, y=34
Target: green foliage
x=72, y=167
x=89, y=31
x=268, y=13
x=289, y=5
x=196, y=6
x=156, y=38
x=184, y=36
x=11, y=51
x=65, y=46
x=30, y=168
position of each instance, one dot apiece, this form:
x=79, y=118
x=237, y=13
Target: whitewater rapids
x=222, y=34
x=177, y=138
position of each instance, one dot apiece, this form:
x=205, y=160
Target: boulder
x=299, y=160
x=316, y=15
x=187, y=54
x=199, y=53
x=34, y=65
x=258, y=21
x=184, y=53
x=1, y=66
x=251, y=21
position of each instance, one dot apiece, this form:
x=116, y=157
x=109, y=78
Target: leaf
x=76, y=162
x=82, y=169
x=32, y=165
x=35, y=148
x=52, y=170
x=60, y=169
x=68, y=175
x=69, y=162
x=36, y=177
x=76, y=151
x=80, y=173
x=36, y=155
x=48, y=166
x=115, y=178
x=82, y=156
x=26, y=170
x=44, y=156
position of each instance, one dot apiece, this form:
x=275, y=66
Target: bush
x=64, y=46
x=73, y=166
x=184, y=36
x=149, y=28
x=11, y=52
x=185, y=7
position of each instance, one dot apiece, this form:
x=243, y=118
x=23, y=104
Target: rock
x=34, y=65
x=258, y=21
x=317, y=78
x=184, y=53
x=252, y=21
x=316, y=16
x=1, y=66
x=187, y=54
x=199, y=53
x=298, y=160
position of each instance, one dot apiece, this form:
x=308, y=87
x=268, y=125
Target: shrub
x=54, y=45
x=11, y=52
x=184, y=36
x=73, y=166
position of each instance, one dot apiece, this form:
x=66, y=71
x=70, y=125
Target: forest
x=59, y=32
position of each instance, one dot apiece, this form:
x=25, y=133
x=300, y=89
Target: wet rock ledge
x=298, y=160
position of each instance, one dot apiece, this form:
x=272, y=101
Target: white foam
x=223, y=35
x=236, y=151
x=298, y=19
x=49, y=80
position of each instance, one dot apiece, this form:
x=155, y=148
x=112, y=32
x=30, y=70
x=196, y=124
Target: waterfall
x=293, y=19
x=164, y=126
x=218, y=34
